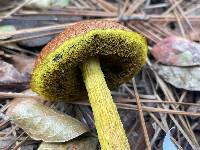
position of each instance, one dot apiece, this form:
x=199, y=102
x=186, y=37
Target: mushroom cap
x=57, y=75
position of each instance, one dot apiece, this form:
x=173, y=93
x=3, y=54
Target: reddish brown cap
x=76, y=30
x=57, y=75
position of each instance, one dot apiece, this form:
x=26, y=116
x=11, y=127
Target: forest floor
x=165, y=94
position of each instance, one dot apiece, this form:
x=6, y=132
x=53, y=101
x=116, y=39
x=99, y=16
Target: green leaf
x=42, y=123
x=84, y=143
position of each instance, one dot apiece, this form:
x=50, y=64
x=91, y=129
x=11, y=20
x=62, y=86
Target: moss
x=122, y=53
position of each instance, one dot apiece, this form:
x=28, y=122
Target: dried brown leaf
x=177, y=51
x=23, y=63
x=8, y=73
x=43, y=123
x=181, y=77
x=85, y=143
x=11, y=78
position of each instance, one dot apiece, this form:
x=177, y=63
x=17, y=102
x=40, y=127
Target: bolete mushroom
x=90, y=57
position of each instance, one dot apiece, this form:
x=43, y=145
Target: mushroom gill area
x=122, y=53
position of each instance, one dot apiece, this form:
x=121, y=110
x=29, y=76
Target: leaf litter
x=43, y=123
x=167, y=26
x=177, y=51
x=180, y=62
x=181, y=77
x=81, y=143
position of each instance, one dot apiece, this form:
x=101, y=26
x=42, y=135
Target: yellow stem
x=109, y=127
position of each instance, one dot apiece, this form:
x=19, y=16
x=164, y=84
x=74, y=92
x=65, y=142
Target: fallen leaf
x=36, y=43
x=23, y=63
x=43, y=123
x=45, y=4
x=6, y=28
x=11, y=78
x=177, y=51
x=168, y=144
x=187, y=78
x=8, y=73
x=84, y=143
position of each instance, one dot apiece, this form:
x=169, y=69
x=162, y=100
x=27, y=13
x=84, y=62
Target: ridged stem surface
x=109, y=127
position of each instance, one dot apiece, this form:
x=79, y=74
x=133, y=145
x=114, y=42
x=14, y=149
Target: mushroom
x=89, y=58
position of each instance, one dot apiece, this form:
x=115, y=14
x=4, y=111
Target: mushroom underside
x=121, y=53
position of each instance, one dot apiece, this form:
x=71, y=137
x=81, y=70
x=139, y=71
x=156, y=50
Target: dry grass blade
x=179, y=23
x=183, y=15
x=29, y=37
x=124, y=8
x=20, y=143
x=141, y=116
x=73, y=12
x=146, y=109
x=159, y=129
x=149, y=31
x=10, y=146
x=133, y=27
x=106, y=6
x=185, y=127
x=77, y=4
x=145, y=99
x=38, y=29
x=160, y=19
x=182, y=127
x=133, y=7
x=172, y=7
x=17, y=8
x=190, y=11
x=18, y=95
